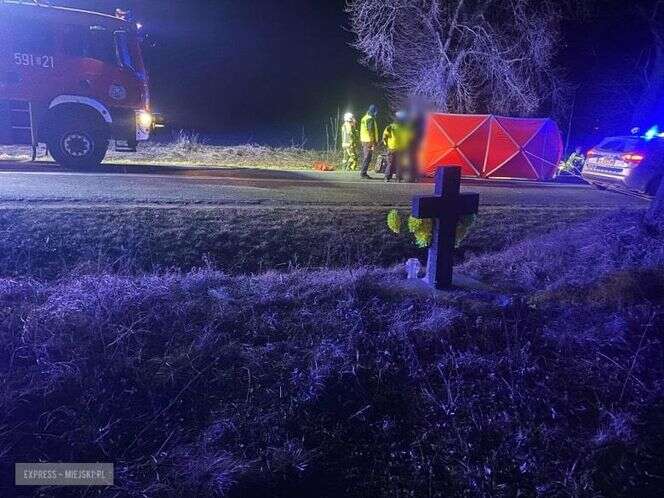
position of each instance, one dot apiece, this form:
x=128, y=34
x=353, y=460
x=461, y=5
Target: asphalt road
x=29, y=184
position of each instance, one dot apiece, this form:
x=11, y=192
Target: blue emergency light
x=653, y=133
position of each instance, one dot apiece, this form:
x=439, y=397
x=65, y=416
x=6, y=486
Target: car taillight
x=591, y=153
x=633, y=158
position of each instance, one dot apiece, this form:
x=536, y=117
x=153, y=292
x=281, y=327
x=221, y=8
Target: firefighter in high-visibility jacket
x=349, y=143
x=397, y=137
x=369, y=139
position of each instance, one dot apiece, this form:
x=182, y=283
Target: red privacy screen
x=491, y=146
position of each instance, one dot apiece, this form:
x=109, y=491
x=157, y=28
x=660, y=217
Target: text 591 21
x=42, y=61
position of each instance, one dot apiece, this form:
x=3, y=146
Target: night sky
x=274, y=71
x=257, y=70
x=601, y=55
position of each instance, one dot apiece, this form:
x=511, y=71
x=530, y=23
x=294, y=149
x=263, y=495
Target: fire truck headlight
x=144, y=119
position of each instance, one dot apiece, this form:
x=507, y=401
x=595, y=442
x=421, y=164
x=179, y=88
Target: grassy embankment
x=332, y=382
x=50, y=243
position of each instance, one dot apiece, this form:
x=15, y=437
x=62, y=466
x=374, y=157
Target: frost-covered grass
x=188, y=149
x=573, y=257
x=238, y=156
x=49, y=243
x=11, y=153
x=336, y=383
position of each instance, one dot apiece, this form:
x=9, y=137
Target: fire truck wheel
x=78, y=142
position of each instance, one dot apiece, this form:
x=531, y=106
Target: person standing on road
x=349, y=142
x=397, y=138
x=369, y=138
x=416, y=124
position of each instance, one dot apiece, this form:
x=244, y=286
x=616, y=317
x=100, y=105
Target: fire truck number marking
x=43, y=61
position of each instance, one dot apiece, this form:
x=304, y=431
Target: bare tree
x=463, y=55
x=655, y=214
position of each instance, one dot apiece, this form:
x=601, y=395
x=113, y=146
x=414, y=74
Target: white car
x=630, y=163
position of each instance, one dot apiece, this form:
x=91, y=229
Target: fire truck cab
x=73, y=80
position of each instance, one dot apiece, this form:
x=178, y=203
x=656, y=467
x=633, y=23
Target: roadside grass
x=183, y=152
x=188, y=150
x=573, y=257
x=14, y=153
x=49, y=243
x=336, y=383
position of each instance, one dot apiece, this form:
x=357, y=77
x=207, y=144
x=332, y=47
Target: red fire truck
x=73, y=80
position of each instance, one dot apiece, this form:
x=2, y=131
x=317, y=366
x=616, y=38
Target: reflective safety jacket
x=368, y=130
x=348, y=135
x=398, y=137
x=575, y=162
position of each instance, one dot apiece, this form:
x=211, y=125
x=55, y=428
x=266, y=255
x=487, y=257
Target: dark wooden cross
x=446, y=207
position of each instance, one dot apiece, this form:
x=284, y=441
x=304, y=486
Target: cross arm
x=439, y=207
